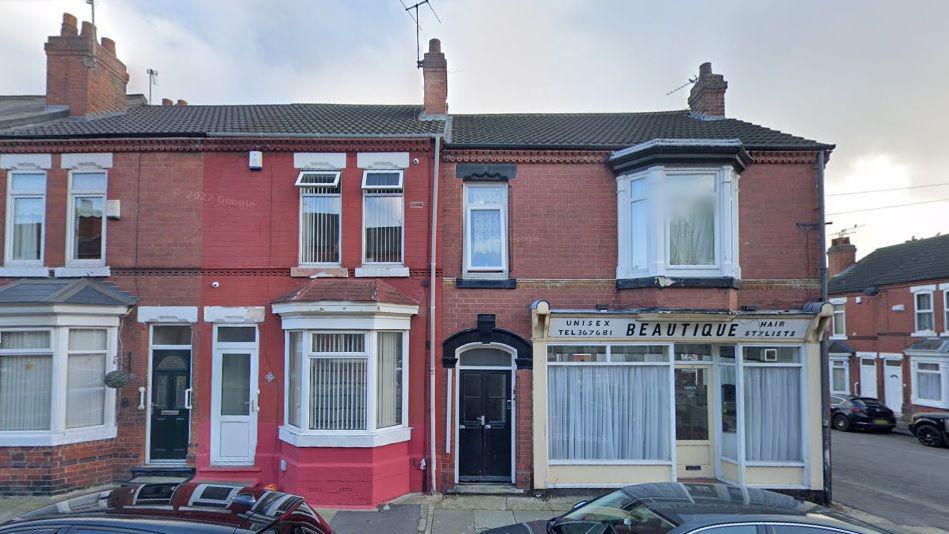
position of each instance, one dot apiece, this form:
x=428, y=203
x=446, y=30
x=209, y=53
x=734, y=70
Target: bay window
x=320, y=212
x=86, y=223
x=609, y=403
x=678, y=222
x=383, y=214
x=343, y=388
x=930, y=382
x=26, y=218
x=52, y=385
x=485, y=247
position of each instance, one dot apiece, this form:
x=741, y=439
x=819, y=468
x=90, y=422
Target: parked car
x=931, y=428
x=848, y=412
x=175, y=507
x=674, y=508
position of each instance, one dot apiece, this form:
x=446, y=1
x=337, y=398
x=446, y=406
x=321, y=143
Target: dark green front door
x=171, y=380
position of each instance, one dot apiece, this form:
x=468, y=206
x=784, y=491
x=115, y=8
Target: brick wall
x=55, y=470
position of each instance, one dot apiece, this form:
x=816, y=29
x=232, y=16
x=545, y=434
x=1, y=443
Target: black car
x=174, y=507
x=674, y=508
x=849, y=412
x=931, y=428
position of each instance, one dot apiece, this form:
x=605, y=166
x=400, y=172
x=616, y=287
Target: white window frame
x=71, y=261
x=657, y=260
x=8, y=234
x=303, y=436
x=304, y=173
x=838, y=301
x=58, y=433
x=305, y=192
x=493, y=271
x=835, y=361
x=945, y=308
x=393, y=190
x=924, y=290
x=943, y=372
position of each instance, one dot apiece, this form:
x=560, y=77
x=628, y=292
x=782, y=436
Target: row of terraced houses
x=355, y=302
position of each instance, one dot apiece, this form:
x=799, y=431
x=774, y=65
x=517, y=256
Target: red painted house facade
x=890, y=324
x=355, y=302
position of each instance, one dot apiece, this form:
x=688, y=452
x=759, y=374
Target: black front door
x=171, y=378
x=484, y=426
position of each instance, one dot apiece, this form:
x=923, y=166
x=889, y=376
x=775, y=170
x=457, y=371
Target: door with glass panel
x=693, y=381
x=234, y=395
x=170, y=393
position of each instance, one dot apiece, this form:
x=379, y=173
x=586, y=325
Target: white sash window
x=86, y=224
x=383, y=216
x=26, y=217
x=485, y=247
x=320, y=213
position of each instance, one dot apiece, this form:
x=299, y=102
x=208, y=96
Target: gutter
x=431, y=318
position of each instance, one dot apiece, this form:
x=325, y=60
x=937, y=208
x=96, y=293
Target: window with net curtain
x=691, y=205
x=26, y=200
x=88, y=195
x=336, y=367
x=928, y=381
x=85, y=378
x=26, y=378
x=608, y=412
x=772, y=403
x=486, y=215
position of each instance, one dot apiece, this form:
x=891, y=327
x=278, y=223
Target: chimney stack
x=167, y=102
x=840, y=255
x=83, y=74
x=707, y=96
x=435, y=76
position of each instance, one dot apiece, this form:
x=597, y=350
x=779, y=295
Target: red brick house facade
x=890, y=324
x=354, y=302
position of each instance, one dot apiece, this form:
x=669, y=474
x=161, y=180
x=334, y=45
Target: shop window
x=924, y=312
x=26, y=218
x=86, y=223
x=485, y=248
x=678, y=222
x=608, y=408
x=35, y=412
x=320, y=212
x=383, y=217
x=772, y=404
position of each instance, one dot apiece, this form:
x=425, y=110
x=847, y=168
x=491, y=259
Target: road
x=892, y=476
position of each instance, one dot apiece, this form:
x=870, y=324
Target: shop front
x=624, y=397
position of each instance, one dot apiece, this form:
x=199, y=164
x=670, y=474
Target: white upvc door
x=893, y=384
x=234, y=404
x=868, y=377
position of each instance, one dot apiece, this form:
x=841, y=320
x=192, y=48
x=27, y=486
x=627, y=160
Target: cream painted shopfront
x=624, y=397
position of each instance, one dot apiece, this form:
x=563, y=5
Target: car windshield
x=615, y=512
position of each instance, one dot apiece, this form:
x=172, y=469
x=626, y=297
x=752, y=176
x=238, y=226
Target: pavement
x=891, y=476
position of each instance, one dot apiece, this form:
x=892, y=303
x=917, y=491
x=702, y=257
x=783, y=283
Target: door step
x=485, y=489
x=171, y=472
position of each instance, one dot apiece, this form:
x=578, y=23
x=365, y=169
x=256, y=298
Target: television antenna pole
x=152, y=81
x=93, y=4
x=418, y=27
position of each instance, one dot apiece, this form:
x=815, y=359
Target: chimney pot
x=435, y=77
x=167, y=102
x=108, y=44
x=182, y=102
x=707, y=96
x=69, y=28
x=88, y=30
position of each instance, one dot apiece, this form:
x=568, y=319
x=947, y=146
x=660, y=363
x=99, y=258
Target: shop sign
x=763, y=328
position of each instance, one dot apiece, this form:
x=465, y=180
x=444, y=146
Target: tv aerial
x=418, y=26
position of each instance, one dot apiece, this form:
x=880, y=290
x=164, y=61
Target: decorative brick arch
x=486, y=332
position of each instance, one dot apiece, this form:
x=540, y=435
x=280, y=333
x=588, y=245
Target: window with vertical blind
x=320, y=213
x=86, y=222
x=52, y=380
x=346, y=382
x=26, y=217
x=383, y=217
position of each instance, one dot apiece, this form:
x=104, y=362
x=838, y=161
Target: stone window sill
x=714, y=282
x=45, y=438
x=382, y=271
x=24, y=271
x=319, y=272
x=78, y=272
x=378, y=438
x=486, y=283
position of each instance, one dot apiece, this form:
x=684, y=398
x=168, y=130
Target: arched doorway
x=485, y=432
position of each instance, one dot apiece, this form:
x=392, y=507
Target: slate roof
x=920, y=259
x=347, y=290
x=611, y=130
x=20, y=110
x=935, y=345
x=606, y=131
x=201, y=121
x=839, y=347
x=64, y=291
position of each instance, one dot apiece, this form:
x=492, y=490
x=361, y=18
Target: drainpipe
x=431, y=323
x=824, y=342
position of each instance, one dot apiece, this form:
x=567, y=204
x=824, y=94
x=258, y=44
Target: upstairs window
x=678, y=222
x=383, y=217
x=26, y=217
x=86, y=226
x=486, y=229
x=924, y=312
x=839, y=320
x=320, y=209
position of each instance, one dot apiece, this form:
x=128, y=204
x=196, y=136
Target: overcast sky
x=861, y=74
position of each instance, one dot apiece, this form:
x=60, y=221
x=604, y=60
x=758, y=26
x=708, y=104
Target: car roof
x=695, y=505
x=168, y=507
